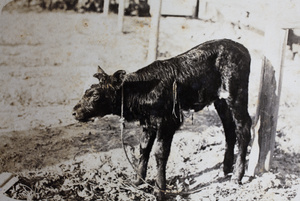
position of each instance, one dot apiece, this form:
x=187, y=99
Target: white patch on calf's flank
x=223, y=93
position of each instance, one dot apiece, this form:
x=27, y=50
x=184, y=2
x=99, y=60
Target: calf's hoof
x=227, y=169
x=235, y=181
x=160, y=195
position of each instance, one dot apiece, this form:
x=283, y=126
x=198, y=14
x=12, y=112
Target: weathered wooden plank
x=202, y=9
x=154, y=32
x=8, y=184
x=4, y=178
x=106, y=7
x=178, y=7
x=121, y=15
x=7, y=180
x=265, y=122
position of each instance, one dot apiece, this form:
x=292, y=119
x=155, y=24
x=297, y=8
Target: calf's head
x=100, y=99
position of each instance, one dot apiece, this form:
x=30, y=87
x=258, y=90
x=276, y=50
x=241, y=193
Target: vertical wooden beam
x=106, y=7
x=202, y=9
x=121, y=15
x=265, y=122
x=154, y=31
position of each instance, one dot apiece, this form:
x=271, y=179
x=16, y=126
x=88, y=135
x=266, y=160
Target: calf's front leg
x=162, y=151
x=146, y=143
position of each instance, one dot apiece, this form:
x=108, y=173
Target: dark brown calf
x=213, y=72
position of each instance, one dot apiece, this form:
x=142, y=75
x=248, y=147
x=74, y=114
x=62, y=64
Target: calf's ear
x=118, y=77
x=100, y=70
x=100, y=75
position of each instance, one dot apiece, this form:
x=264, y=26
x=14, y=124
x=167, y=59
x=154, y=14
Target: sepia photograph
x=167, y=100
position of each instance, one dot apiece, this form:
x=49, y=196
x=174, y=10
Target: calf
x=213, y=72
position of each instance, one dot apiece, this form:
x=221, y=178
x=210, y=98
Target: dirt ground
x=46, y=61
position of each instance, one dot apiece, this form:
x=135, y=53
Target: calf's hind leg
x=238, y=107
x=229, y=130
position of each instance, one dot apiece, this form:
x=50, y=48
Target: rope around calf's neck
x=122, y=120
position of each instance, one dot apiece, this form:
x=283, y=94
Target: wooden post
x=121, y=15
x=154, y=31
x=106, y=7
x=7, y=180
x=202, y=9
x=265, y=123
x=264, y=127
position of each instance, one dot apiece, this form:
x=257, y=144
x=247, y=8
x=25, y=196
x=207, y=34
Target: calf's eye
x=95, y=96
